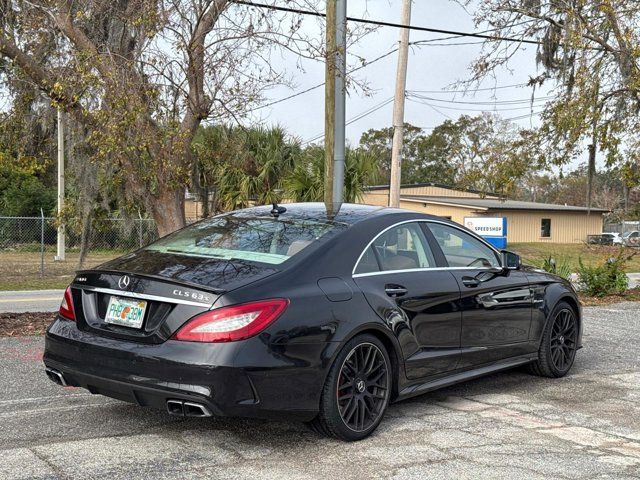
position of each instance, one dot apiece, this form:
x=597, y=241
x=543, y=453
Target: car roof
x=345, y=213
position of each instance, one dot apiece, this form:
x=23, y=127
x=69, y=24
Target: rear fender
x=389, y=341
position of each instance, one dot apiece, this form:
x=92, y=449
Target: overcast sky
x=432, y=68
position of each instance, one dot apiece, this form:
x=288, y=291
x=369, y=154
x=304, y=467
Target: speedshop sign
x=487, y=226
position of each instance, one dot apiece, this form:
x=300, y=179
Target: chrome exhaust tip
x=175, y=407
x=195, y=410
x=55, y=376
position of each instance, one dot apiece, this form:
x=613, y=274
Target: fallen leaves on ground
x=632, y=295
x=25, y=324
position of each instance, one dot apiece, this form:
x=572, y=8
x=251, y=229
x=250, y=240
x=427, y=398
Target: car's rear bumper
x=228, y=379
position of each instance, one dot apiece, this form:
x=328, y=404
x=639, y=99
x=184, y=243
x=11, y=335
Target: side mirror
x=510, y=260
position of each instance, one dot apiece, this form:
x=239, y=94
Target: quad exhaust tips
x=55, y=376
x=187, y=409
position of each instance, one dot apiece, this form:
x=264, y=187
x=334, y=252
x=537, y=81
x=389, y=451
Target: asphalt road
x=509, y=425
x=30, y=301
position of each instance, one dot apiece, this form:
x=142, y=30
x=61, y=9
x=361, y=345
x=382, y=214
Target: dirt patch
x=24, y=324
x=632, y=295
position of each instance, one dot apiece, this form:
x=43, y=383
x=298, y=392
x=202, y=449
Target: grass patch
x=592, y=255
x=21, y=270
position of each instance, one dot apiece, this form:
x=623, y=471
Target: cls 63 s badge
x=200, y=297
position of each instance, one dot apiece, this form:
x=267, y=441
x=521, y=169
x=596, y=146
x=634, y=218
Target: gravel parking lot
x=509, y=425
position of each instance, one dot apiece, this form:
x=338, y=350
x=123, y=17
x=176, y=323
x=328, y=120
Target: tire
x=361, y=376
x=558, y=347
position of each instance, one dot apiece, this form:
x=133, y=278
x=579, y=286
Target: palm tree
x=245, y=166
x=263, y=165
x=306, y=182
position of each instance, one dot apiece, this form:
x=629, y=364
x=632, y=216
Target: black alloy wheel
x=563, y=339
x=559, y=343
x=357, y=390
x=363, y=387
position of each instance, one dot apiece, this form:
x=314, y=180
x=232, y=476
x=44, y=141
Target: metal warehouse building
x=526, y=221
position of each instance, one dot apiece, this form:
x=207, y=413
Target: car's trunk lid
x=170, y=288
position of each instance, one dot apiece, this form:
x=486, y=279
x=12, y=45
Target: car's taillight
x=66, y=307
x=229, y=324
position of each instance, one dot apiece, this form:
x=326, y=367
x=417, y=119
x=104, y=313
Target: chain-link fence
x=28, y=247
x=35, y=233
x=622, y=227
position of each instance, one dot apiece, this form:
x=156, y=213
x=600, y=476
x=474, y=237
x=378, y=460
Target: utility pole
x=329, y=103
x=60, y=256
x=591, y=169
x=340, y=103
x=398, y=107
x=334, y=110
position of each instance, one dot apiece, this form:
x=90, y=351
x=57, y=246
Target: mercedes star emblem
x=124, y=282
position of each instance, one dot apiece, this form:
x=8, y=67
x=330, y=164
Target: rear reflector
x=229, y=324
x=66, y=307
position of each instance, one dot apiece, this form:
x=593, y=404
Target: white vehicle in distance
x=616, y=238
x=631, y=238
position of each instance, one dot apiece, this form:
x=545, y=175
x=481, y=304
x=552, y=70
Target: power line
x=436, y=110
x=360, y=116
x=461, y=109
x=522, y=117
x=289, y=97
x=412, y=93
x=395, y=25
x=360, y=67
x=488, y=89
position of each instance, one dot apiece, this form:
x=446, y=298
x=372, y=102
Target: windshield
x=259, y=239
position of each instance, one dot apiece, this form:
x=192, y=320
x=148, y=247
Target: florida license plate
x=126, y=312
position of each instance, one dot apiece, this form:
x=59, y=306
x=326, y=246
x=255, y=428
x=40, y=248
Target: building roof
x=497, y=204
x=431, y=184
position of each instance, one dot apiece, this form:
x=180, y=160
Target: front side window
x=545, y=228
x=400, y=248
x=259, y=239
x=461, y=249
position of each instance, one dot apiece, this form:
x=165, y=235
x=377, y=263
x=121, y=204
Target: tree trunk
x=205, y=202
x=168, y=210
x=86, y=237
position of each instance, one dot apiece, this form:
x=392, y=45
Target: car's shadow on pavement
x=283, y=435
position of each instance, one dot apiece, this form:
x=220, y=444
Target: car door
x=496, y=303
x=398, y=276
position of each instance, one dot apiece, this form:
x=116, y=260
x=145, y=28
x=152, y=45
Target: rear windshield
x=258, y=239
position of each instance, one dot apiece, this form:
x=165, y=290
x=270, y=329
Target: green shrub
x=561, y=268
x=608, y=278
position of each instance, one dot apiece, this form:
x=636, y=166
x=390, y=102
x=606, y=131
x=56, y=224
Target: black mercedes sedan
x=304, y=313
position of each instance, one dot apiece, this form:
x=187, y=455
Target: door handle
x=395, y=290
x=470, y=282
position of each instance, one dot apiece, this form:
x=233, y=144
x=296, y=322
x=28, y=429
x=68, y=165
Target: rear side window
x=259, y=239
x=461, y=249
x=400, y=248
x=368, y=263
